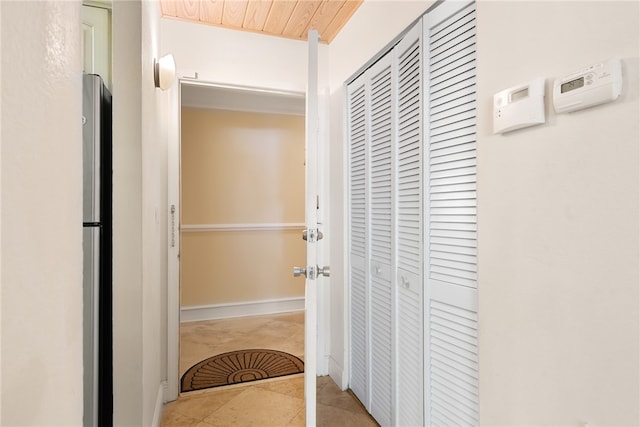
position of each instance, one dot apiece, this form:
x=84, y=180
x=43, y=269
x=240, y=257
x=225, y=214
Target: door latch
x=312, y=272
x=312, y=235
x=309, y=272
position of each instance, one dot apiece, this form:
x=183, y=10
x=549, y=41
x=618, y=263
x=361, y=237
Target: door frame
x=172, y=381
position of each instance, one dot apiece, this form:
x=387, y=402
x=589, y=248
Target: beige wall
x=240, y=168
x=558, y=223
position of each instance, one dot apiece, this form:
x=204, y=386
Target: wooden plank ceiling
x=284, y=18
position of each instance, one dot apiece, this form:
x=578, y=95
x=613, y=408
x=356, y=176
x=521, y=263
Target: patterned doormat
x=239, y=367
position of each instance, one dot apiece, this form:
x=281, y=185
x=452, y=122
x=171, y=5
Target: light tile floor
x=269, y=403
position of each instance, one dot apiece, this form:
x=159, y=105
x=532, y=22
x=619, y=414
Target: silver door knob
x=297, y=272
x=324, y=271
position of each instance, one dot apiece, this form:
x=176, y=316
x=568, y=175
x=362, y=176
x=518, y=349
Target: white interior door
x=96, y=40
x=311, y=271
x=312, y=234
x=451, y=269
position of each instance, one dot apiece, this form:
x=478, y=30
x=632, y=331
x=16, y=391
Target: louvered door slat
x=409, y=229
x=460, y=83
x=455, y=200
x=358, y=242
x=452, y=30
x=446, y=108
x=444, y=188
x=379, y=79
x=409, y=149
x=451, y=154
x=446, y=100
x=452, y=274
x=449, y=226
x=452, y=57
x=459, y=136
x=455, y=112
x=453, y=162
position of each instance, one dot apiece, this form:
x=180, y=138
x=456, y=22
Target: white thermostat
x=519, y=106
x=593, y=85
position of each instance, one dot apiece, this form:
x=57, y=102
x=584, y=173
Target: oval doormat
x=240, y=366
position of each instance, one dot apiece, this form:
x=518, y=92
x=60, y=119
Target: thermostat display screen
x=573, y=84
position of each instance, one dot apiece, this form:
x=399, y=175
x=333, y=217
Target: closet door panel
x=409, y=153
x=409, y=194
x=358, y=240
x=451, y=269
x=379, y=78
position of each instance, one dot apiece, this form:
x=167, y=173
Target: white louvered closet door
x=451, y=276
x=357, y=125
x=409, y=229
x=379, y=84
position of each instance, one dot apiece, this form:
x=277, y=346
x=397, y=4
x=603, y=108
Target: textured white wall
x=140, y=117
x=154, y=215
x=558, y=223
x=127, y=214
x=41, y=253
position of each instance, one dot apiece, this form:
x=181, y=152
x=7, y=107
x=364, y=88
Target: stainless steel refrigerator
x=97, y=246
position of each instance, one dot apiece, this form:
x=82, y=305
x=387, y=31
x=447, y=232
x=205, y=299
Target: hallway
x=277, y=402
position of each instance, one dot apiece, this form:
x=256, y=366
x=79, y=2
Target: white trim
x=337, y=373
x=102, y=4
x=173, y=246
x=240, y=309
x=157, y=412
x=242, y=227
x=165, y=392
x=311, y=220
x=194, y=81
x=346, y=245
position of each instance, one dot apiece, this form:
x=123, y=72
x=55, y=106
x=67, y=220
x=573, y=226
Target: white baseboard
x=337, y=374
x=241, y=309
x=157, y=412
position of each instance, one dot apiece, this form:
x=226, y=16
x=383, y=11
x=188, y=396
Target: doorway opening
x=241, y=217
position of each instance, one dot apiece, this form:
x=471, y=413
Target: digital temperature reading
x=573, y=84
x=596, y=84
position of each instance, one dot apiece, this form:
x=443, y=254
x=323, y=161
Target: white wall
x=374, y=25
x=127, y=215
x=558, y=213
x=154, y=214
x=41, y=250
x=140, y=141
x=558, y=223
x=235, y=57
